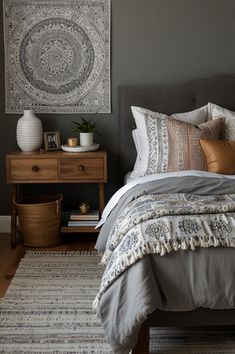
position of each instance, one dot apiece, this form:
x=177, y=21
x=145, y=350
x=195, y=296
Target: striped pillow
x=169, y=145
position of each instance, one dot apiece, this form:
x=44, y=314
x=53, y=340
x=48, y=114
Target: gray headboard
x=169, y=99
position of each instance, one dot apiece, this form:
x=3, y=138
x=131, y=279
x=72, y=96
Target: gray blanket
x=178, y=281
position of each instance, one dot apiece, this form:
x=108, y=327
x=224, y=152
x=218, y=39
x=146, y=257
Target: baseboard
x=5, y=223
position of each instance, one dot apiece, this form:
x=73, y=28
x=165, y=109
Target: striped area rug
x=47, y=309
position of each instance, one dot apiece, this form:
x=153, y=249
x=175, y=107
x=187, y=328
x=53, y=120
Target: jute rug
x=47, y=309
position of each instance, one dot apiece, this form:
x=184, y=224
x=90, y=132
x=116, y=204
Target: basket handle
x=58, y=200
x=15, y=202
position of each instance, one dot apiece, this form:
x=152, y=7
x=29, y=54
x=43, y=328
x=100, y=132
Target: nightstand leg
x=13, y=215
x=101, y=197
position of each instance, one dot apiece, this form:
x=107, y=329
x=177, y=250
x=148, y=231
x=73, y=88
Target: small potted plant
x=86, y=128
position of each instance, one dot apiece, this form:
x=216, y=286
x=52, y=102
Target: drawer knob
x=81, y=168
x=35, y=168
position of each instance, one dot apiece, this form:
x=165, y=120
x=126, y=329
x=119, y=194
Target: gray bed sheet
x=179, y=281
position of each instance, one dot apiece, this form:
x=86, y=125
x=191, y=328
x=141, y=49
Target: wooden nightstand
x=56, y=167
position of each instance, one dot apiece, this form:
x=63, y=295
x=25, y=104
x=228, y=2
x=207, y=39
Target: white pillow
x=195, y=117
x=228, y=130
x=135, y=137
x=168, y=144
x=136, y=140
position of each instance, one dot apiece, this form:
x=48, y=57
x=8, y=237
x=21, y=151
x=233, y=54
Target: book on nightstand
x=82, y=223
x=93, y=215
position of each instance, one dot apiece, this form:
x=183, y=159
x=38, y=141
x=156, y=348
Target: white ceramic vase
x=86, y=139
x=29, y=132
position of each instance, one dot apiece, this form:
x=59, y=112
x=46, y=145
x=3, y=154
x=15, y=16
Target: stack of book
x=79, y=219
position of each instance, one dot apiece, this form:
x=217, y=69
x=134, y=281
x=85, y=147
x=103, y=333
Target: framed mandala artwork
x=57, y=56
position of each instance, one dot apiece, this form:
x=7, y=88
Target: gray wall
x=153, y=42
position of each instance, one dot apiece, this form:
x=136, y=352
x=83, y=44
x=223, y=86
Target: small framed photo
x=52, y=140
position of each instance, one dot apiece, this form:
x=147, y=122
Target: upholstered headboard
x=174, y=98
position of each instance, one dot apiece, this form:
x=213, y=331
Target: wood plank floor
x=9, y=258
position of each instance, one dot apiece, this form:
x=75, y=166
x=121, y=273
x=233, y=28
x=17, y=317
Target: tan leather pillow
x=220, y=155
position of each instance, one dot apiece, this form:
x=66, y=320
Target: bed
x=141, y=296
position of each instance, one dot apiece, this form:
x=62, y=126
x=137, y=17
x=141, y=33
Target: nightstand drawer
x=34, y=169
x=90, y=169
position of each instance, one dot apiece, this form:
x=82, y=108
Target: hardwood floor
x=9, y=258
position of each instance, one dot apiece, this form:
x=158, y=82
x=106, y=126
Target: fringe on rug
x=64, y=253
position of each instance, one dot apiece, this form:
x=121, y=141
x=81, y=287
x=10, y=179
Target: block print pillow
x=169, y=145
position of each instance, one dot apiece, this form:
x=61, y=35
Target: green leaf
x=84, y=126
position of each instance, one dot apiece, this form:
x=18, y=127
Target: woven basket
x=39, y=219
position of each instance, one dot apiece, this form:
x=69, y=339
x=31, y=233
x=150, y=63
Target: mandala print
x=157, y=229
x=220, y=227
x=189, y=227
x=59, y=56
x=129, y=242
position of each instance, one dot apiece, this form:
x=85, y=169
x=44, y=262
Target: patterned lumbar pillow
x=169, y=145
x=220, y=156
x=228, y=130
